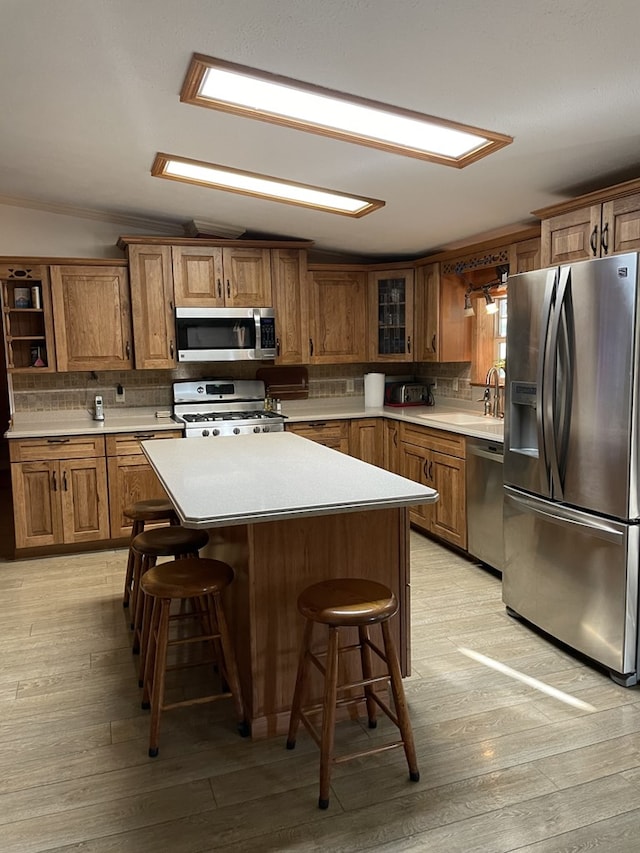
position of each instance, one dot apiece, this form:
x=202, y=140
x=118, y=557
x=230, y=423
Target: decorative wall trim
x=155, y=225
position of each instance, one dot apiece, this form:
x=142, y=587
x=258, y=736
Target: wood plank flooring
x=504, y=766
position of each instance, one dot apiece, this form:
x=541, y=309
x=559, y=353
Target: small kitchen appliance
x=408, y=394
x=209, y=408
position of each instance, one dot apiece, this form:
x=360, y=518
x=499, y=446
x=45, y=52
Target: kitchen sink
x=461, y=418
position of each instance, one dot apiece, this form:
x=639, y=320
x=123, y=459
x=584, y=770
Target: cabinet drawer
x=58, y=447
x=322, y=430
x=128, y=443
x=434, y=439
x=334, y=434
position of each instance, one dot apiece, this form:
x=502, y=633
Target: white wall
x=27, y=232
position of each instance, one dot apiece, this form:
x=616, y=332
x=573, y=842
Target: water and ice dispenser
x=523, y=430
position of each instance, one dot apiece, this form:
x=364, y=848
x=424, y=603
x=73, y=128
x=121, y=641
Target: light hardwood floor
x=503, y=765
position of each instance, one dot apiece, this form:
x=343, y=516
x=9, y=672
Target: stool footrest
x=199, y=700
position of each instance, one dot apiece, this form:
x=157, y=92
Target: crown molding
x=156, y=225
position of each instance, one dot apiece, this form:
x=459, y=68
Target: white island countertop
x=251, y=478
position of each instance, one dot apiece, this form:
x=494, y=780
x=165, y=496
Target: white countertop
x=461, y=417
x=268, y=477
x=465, y=419
x=80, y=422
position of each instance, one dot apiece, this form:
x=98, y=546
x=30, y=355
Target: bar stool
x=174, y=541
x=343, y=603
x=202, y=581
x=155, y=509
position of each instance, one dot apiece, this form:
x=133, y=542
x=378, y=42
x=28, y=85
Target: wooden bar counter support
x=286, y=512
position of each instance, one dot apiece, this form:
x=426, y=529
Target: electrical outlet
x=119, y=394
x=454, y=384
x=350, y=384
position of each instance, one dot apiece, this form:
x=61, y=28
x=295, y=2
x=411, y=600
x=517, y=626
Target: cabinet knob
x=604, y=239
x=127, y=350
x=593, y=240
x=171, y=349
x=433, y=343
x=310, y=346
x=277, y=346
x=228, y=288
x=409, y=343
x=55, y=481
x=219, y=289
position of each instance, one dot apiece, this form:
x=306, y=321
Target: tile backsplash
x=152, y=388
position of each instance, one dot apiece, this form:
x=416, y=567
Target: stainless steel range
x=214, y=407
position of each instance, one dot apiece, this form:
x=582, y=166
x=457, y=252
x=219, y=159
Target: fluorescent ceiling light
x=262, y=186
x=257, y=94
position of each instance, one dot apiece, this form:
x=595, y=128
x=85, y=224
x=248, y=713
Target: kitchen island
x=286, y=512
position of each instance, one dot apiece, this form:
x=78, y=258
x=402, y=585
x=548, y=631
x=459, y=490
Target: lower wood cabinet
x=366, y=440
x=131, y=478
x=59, y=490
x=391, y=446
x=74, y=489
x=333, y=434
x=436, y=459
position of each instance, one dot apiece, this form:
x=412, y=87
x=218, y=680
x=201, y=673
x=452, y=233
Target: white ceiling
x=89, y=92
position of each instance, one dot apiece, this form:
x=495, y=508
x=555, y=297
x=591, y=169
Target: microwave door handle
x=554, y=409
x=545, y=378
x=256, y=321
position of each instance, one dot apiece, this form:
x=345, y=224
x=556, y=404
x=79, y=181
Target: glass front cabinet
x=391, y=315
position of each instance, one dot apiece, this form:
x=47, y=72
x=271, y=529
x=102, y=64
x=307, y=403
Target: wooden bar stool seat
x=154, y=509
x=173, y=541
x=346, y=603
x=202, y=581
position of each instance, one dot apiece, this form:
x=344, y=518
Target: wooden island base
x=273, y=562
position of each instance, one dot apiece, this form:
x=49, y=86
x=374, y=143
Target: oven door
x=225, y=334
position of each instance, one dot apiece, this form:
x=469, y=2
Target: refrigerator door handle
x=544, y=403
x=556, y=413
x=596, y=527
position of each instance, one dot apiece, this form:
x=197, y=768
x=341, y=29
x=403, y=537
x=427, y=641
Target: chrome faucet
x=493, y=375
x=486, y=399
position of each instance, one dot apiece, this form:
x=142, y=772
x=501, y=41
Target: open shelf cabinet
x=27, y=318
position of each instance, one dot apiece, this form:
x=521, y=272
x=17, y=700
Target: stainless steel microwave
x=225, y=334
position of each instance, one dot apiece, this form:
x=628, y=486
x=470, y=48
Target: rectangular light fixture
x=261, y=186
x=248, y=92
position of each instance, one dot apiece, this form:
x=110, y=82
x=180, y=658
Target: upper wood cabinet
x=92, y=317
x=152, y=306
x=337, y=316
x=216, y=277
x=185, y=272
x=442, y=331
x=391, y=334
x=525, y=256
x=606, y=222
x=290, y=302
x=27, y=316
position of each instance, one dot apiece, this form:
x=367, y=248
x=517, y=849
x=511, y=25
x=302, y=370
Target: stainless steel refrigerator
x=571, y=507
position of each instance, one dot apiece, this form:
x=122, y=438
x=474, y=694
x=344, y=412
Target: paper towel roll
x=373, y=390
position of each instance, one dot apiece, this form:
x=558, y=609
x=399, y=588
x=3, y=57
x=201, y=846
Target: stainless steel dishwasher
x=484, y=501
